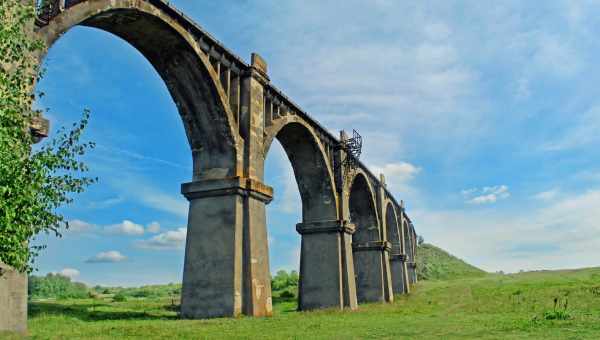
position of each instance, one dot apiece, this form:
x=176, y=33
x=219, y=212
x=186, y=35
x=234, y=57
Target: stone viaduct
x=358, y=244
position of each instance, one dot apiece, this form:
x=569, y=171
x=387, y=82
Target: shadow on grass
x=285, y=305
x=88, y=312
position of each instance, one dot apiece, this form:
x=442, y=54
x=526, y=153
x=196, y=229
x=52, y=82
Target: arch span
x=311, y=170
x=191, y=80
x=397, y=257
x=215, y=195
x=321, y=283
x=367, y=244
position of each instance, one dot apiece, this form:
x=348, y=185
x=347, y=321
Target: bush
x=287, y=294
x=56, y=286
x=119, y=297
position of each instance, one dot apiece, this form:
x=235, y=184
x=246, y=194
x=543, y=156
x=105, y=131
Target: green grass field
x=482, y=306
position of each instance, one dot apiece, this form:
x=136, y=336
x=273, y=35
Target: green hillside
x=434, y=263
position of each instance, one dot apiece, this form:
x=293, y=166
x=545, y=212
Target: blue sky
x=485, y=119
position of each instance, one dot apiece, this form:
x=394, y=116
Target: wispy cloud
x=139, y=157
x=486, y=195
x=172, y=239
x=126, y=227
x=547, y=195
x=79, y=226
x=111, y=256
x=69, y=272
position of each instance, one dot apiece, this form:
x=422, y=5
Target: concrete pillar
x=381, y=207
x=369, y=265
x=212, y=274
x=401, y=254
x=257, y=299
x=257, y=276
x=324, y=269
x=13, y=300
x=399, y=273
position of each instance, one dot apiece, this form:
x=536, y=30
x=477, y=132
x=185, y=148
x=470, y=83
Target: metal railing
x=48, y=9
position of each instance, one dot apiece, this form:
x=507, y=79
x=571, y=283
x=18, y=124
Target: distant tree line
x=56, y=286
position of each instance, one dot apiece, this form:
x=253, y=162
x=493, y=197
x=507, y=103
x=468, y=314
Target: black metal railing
x=48, y=9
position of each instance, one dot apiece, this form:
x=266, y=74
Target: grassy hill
x=434, y=263
x=532, y=305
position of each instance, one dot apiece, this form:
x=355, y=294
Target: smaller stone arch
x=397, y=257
x=369, y=250
x=312, y=171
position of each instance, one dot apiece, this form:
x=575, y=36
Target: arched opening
x=368, y=255
x=284, y=242
x=141, y=159
x=363, y=212
x=212, y=141
x=208, y=123
x=313, y=177
x=310, y=171
x=396, y=259
x=408, y=250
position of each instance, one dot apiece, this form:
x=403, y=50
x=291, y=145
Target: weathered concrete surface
x=399, y=275
x=13, y=300
x=322, y=265
x=369, y=259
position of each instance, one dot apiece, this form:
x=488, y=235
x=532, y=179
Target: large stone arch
x=212, y=280
x=322, y=249
x=191, y=80
x=367, y=242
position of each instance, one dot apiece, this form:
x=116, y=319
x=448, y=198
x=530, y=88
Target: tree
x=420, y=240
x=33, y=184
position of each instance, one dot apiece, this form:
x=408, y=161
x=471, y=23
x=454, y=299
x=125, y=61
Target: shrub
x=287, y=294
x=119, y=297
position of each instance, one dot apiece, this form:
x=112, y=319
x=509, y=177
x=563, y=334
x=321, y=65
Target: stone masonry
x=357, y=241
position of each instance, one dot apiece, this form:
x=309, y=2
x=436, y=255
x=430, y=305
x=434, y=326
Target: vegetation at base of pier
x=530, y=305
x=434, y=263
x=33, y=184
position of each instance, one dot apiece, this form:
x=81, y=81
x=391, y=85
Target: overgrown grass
x=490, y=307
x=434, y=263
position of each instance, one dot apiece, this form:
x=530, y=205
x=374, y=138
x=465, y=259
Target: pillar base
x=13, y=300
x=400, y=282
x=326, y=269
x=370, y=270
x=214, y=258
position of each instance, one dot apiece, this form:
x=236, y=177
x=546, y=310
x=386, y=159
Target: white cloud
x=153, y=227
x=111, y=256
x=126, y=227
x=70, y=273
x=399, y=177
x=486, y=195
x=400, y=172
x=79, y=226
x=172, y=239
